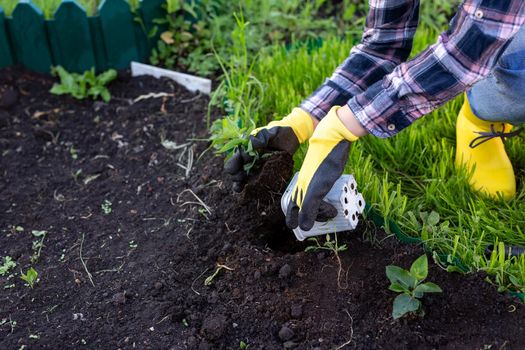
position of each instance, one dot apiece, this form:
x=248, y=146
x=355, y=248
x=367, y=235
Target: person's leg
x=492, y=106
x=501, y=96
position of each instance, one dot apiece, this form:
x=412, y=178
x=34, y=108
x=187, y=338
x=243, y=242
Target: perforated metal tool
x=343, y=196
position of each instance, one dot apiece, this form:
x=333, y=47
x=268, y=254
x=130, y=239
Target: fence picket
x=111, y=39
x=28, y=37
x=99, y=49
x=6, y=57
x=116, y=19
x=70, y=38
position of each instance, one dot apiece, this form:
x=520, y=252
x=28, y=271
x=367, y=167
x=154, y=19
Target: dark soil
x=132, y=275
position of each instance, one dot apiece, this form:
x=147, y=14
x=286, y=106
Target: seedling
x=31, y=277
x=209, y=280
x=82, y=86
x=332, y=246
x=106, y=207
x=74, y=153
x=410, y=286
x=37, y=244
x=243, y=345
x=7, y=265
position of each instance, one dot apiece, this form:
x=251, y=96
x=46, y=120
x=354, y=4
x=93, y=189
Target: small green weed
x=31, y=277
x=243, y=345
x=329, y=244
x=332, y=246
x=106, y=207
x=209, y=280
x=7, y=264
x=240, y=92
x=410, y=286
x=38, y=244
x=82, y=86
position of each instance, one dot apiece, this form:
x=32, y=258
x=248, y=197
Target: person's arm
x=386, y=42
x=462, y=56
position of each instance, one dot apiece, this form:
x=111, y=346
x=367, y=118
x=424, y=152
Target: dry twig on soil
x=83, y=263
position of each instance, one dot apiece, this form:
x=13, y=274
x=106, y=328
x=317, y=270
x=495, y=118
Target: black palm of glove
x=283, y=135
x=323, y=165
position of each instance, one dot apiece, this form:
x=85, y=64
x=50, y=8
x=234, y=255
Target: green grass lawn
x=410, y=175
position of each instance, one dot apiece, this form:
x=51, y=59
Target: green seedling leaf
x=419, y=268
x=433, y=219
x=31, y=277
x=107, y=77
x=82, y=86
x=428, y=287
x=7, y=265
x=37, y=233
x=396, y=287
x=398, y=275
x=404, y=304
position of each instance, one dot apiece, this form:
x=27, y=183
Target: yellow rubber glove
x=282, y=135
x=324, y=164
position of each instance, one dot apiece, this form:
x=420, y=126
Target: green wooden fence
x=111, y=39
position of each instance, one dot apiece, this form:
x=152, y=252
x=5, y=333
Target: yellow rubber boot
x=493, y=170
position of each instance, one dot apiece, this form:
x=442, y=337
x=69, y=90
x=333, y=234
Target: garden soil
x=139, y=215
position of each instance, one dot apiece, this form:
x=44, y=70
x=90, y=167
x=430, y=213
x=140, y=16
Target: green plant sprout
x=73, y=152
x=82, y=86
x=209, y=280
x=7, y=264
x=410, y=286
x=31, y=277
x=332, y=246
x=106, y=207
x=38, y=244
x=243, y=345
x=329, y=244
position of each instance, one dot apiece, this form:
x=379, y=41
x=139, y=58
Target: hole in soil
x=277, y=236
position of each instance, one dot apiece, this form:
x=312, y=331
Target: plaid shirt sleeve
x=386, y=42
x=463, y=55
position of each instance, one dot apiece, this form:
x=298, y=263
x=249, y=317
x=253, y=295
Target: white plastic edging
x=190, y=82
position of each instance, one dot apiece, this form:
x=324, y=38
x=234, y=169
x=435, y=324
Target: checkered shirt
x=387, y=94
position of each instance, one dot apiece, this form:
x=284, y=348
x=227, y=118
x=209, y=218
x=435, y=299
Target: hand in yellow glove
x=324, y=164
x=282, y=135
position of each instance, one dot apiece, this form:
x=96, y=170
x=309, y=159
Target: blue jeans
x=501, y=96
